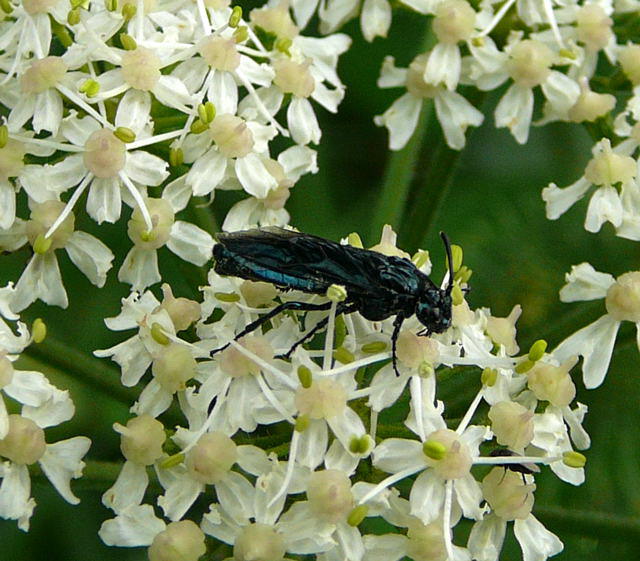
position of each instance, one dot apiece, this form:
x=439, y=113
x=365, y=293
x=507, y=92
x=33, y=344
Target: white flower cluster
x=315, y=501
x=22, y=435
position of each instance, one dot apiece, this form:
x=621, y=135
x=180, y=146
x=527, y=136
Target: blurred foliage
x=493, y=209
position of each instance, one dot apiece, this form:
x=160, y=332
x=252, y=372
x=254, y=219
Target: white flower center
x=609, y=168
x=33, y=7
x=276, y=20
x=24, y=443
x=183, y=312
x=455, y=459
x=529, y=63
x=454, y=21
x=594, y=26
x=43, y=215
x=162, y=219
x=257, y=294
x=324, y=399
x=104, y=154
x=220, y=53
x=179, y=540
x=259, y=542
x=173, y=366
x=329, y=494
x=425, y=542
x=629, y=59
x=11, y=159
x=414, y=351
x=415, y=82
x=623, y=298
x=231, y=135
x=512, y=424
x=507, y=494
x=141, y=440
x=211, y=458
x=552, y=383
x=43, y=74
x=235, y=364
x=141, y=68
x=294, y=77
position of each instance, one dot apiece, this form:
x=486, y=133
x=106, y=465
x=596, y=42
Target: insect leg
x=397, y=324
x=303, y=306
x=341, y=309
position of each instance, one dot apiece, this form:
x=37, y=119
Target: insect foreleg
x=302, y=306
x=397, y=324
x=342, y=308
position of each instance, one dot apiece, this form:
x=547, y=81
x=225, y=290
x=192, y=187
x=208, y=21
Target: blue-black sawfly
x=378, y=286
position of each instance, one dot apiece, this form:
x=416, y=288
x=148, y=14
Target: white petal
x=254, y=177
x=15, y=491
x=223, y=92
x=455, y=114
x=154, y=400
x=469, y=496
x=132, y=358
x=40, y=280
x=397, y=454
x=297, y=161
x=62, y=462
x=595, y=344
x=605, y=206
x=350, y=542
x=190, y=243
x=7, y=205
x=443, y=66
x=128, y=489
x=514, y=111
x=427, y=496
x=104, y=203
x=313, y=444
x=561, y=91
x=146, y=169
x=401, y=120
x=486, y=538
x=140, y=268
x=134, y=526
x=78, y=130
x=558, y=201
x=375, y=19
x=390, y=75
x=48, y=111
x=4, y=419
x=536, y=541
x=133, y=110
x=21, y=112
x=179, y=497
x=54, y=411
x=387, y=547
x=91, y=256
x=172, y=92
x=237, y=496
x=302, y=122
x=585, y=283
x=207, y=172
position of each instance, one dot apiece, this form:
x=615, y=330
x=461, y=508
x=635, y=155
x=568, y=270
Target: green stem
x=400, y=170
x=53, y=353
x=601, y=524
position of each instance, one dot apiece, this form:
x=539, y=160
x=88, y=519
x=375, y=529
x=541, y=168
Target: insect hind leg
x=301, y=306
x=341, y=309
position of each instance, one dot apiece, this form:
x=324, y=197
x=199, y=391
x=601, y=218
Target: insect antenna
x=447, y=247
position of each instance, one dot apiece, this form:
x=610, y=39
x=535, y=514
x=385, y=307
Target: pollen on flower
x=141, y=439
x=162, y=219
x=425, y=541
x=24, y=443
x=182, y=540
x=104, y=154
x=173, y=367
x=507, y=494
x=623, y=298
x=329, y=494
x=211, y=458
x=593, y=26
x=529, y=63
x=231, y=135
x=552, y=383
x=454, y=21
x=294, y=77
x=43, y=74
x=43, y=215
x=141, y=68
x=259, y=542
x=11, y=159
x=415, y=83
x=325, y=398
x=456, y=461
x=220, y=53
x=276, y=20
x=512, y=424
x=235, y=364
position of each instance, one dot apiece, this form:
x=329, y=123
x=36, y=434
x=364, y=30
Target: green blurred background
x=492, y=209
